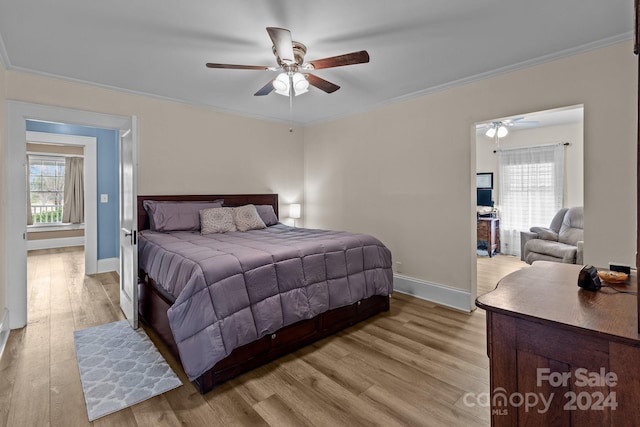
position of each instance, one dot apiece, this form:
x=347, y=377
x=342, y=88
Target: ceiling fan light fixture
x=502, y=131
x=299, y=81
x=497, y=129
x=300, y=84
x=281, y=84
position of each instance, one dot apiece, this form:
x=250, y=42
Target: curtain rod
x=566, y=144
x=43, y=154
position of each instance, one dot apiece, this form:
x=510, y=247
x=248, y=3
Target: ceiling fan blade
x=523, y=124
x=266, y=89
x=237, y=67
x=281, y=39
x=322, y=84
x=340, y=60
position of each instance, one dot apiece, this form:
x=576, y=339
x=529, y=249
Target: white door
x=128, y=225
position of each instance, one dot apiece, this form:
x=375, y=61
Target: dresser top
x=548, y=292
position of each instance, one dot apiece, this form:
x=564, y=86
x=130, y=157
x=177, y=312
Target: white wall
x=3, y=191
x=185, y=149
x=487, y=160
x=403, y=172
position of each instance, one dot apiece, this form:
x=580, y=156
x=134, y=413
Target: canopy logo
x=579, y=396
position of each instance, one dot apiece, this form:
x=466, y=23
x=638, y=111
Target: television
x=484, y=197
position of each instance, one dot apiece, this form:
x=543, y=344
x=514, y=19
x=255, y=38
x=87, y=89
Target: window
x=531, y=190
x=46, y=185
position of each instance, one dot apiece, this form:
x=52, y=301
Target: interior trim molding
x=4, y=331
x=15, y=245
x=439, y=88
x=609, y=41
x=109, y=264
x=440, y=294
x=62, y=242
x=4, y=57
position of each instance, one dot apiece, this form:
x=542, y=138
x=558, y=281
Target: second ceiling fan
x=295, y=77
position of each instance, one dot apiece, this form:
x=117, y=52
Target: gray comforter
x=233, y=288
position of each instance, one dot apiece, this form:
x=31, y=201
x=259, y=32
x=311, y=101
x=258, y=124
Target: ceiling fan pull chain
x=291, y=94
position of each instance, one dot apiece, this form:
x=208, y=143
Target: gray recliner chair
x=561, y=242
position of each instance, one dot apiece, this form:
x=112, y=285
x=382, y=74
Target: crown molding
x=609, y=41
x=4, y=58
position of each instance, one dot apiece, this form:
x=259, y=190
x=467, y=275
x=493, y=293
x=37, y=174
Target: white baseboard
x=443, y=295
x=4, y=331
x=63, y=242
x=109, y=264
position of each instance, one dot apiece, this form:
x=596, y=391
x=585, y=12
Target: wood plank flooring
x=411, y=366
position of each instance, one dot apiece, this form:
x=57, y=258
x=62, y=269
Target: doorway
x=88, y=145
x=561, y=126
x=16, y=249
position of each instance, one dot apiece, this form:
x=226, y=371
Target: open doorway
x=18, y=115
x=533, y=190
x=49, y=156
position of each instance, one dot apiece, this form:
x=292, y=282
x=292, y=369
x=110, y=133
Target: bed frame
x=153, y=304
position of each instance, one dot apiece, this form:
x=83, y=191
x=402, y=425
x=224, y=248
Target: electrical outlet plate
x=616, y=266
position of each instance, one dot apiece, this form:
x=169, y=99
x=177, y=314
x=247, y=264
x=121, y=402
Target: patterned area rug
x=119, y=367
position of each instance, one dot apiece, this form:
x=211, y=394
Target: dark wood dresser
x=560, y=355
x=489, y=231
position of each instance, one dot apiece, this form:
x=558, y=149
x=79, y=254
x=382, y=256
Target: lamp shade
x=294, y=210
x=502, y=131
x=300, y=84
x=491, y=132
x=281, y=84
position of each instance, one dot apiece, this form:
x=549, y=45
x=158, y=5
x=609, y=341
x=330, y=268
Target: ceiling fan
x=500, y=128
x=295, y=77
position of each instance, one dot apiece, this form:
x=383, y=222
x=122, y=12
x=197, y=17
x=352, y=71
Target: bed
x=225, y=303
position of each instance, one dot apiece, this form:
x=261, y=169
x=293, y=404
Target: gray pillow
x=177, y=216
x=217, y=220
x=267, y=214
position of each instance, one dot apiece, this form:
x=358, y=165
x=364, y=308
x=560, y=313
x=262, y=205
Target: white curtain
x=530, y=191
x=73, y=209
x=29, y=214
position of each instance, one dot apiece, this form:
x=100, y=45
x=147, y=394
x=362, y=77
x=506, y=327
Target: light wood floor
x=411, y=366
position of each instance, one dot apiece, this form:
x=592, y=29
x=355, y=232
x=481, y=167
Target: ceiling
x=416, y=46
x=540, y=119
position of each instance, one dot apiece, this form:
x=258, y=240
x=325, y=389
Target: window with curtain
x=530, y=192
x=55, y=194
x=46, y=188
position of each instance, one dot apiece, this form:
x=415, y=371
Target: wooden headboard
x=229, y=200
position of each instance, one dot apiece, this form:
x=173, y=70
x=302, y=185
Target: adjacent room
x=529, y=169
x=300, y=216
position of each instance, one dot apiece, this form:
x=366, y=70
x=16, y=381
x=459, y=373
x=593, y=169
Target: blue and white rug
x=119, y=367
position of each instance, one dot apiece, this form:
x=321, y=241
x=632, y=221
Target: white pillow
x=247, y=218
x=216, y=220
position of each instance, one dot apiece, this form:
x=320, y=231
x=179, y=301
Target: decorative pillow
x=267, y=214
x=246, y=218
x=216, y=220
x=177, y=216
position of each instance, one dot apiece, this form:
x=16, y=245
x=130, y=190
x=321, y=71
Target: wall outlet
x=104, y=198
x=622, y=268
